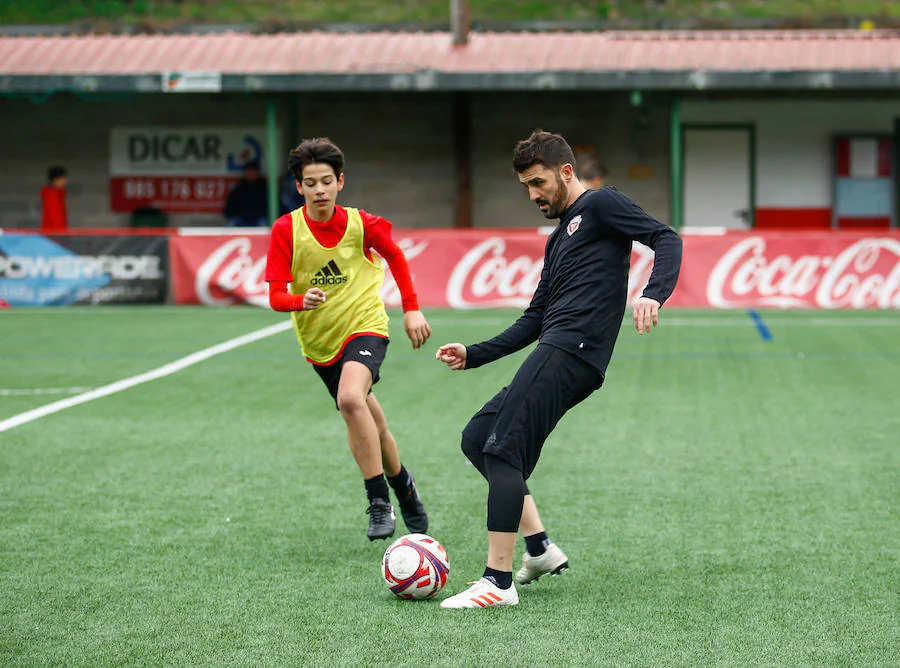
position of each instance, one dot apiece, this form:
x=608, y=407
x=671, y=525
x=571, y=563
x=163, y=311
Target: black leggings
x=504, y=439
x=506, y=485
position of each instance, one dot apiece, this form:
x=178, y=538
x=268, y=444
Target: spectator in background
x=54, y=217
x=247, y=203
x=592, y=173
x=289, y=196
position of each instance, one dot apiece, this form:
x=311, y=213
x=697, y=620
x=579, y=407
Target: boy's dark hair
x=545, y=148
x=55, y=172
x=252, y=164
x=591, y=169
x=315, y=150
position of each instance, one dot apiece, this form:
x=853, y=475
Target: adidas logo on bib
x=330, y=274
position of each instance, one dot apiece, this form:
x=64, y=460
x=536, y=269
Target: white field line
x=35, y=391
x=161, y=372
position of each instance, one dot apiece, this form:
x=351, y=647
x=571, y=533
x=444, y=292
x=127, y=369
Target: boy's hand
x=313, y=299
x=417, y=328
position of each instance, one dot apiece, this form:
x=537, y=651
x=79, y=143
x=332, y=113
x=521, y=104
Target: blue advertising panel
x=58, y=270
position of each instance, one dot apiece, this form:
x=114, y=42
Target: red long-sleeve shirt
x=377, y=237
x=53, y=213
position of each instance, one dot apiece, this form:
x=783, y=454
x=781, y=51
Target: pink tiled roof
x=382, y=52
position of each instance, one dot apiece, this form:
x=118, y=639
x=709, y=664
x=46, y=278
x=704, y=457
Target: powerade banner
x=469, y=269
x=60, y=270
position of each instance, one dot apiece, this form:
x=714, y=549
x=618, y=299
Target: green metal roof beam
x=429, y=80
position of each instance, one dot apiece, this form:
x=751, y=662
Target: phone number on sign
x=176, y=189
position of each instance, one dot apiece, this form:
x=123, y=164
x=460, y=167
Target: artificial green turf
x=724, y=500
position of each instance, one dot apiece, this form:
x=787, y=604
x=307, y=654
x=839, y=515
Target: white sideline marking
x=42, y=390
x=165, y=370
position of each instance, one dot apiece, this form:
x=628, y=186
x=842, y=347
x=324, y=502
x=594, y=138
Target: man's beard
x=558, y=204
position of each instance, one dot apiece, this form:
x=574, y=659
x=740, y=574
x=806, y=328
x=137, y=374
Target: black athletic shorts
x=549, y=383
x=367, y=350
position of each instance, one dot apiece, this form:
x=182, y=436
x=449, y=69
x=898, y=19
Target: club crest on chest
x=573, y=225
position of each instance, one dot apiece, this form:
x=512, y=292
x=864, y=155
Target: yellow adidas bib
x=351, y=282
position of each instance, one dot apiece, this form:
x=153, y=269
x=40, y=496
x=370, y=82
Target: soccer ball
x=415, y=566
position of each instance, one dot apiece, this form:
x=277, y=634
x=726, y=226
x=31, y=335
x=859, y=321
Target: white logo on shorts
x=365, y=352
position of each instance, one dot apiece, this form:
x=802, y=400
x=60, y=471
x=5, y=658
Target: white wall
x=793, y=149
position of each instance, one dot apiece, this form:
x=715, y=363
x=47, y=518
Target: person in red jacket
x=326, y=266
x=53, y=195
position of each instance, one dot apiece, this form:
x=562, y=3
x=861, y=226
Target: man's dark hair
x=252, y=164
x=315, y=150
x=591, y=169
x=545, y=148
x=55, y=172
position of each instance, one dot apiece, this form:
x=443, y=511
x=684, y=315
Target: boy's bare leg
x=365, y=444
x=414, y=515
x=390, y=455
x=362, y=432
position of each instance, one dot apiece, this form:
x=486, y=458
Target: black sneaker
x=414, y=515
x=381, y=519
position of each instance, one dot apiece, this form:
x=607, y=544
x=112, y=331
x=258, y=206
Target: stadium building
x=764, y=129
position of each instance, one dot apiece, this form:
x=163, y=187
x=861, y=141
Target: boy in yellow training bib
x=324, y=252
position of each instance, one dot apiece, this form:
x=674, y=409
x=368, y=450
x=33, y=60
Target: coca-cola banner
x=220, y=269
x=501, y=268
x=828, y=270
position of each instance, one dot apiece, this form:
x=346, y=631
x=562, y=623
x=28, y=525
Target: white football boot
x=483, y=594
x=553, y=561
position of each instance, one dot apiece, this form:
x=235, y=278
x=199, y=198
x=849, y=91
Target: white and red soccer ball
x=415, y=566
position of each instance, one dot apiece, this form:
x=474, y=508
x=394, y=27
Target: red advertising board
x=501, y=268
x=183, y=194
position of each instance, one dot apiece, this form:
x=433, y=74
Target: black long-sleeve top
x=580, y=301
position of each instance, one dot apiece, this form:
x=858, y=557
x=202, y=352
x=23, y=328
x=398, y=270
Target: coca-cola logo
x=641, y=265
x=231, y=274
x=865, y=274
x=390, y=293
x=484, y=278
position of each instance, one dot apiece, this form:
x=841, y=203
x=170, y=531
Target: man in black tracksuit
x=575, y=315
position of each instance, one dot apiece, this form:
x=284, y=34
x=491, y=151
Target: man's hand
x=646, y=311
x=417, y=328
x=313, y=299
x=453, y=355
